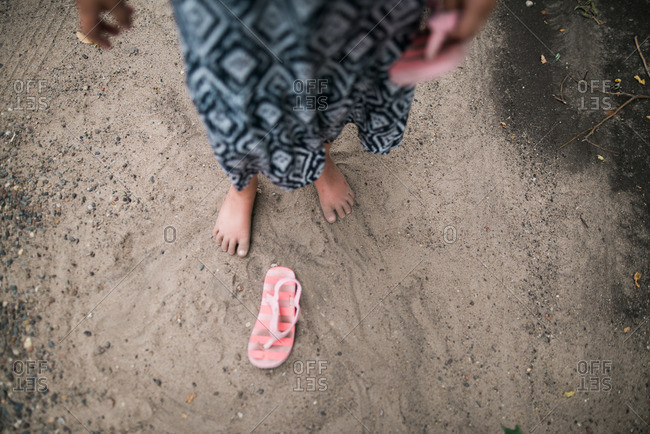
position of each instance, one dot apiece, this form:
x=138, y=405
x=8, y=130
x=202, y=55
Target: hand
x=473, y=15
x=93, y=22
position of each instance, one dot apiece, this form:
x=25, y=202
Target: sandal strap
x=272, y=300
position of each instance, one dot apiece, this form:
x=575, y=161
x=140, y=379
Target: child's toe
x=242, y=249
x=329, y=215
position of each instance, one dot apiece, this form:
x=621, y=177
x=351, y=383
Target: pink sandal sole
x=272, y=337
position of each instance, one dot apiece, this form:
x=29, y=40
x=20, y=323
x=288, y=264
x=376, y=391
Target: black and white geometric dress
x=275, y=79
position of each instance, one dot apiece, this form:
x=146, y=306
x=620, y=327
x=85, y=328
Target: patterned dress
x=275, y=79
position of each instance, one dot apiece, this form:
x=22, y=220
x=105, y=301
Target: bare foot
x=334, y=192
x=233, y=228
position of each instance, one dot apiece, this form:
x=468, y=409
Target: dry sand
x=476, y=274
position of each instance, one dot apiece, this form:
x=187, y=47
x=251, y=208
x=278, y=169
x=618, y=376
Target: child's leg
x=336, y=196
x=233, y=228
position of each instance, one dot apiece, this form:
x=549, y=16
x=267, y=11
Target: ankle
x=248, y=192
x=327, y=147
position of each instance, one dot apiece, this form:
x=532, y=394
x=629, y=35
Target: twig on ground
x=638, y=48
x=561, y=98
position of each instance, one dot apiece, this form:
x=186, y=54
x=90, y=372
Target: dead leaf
x=640, y=80
x=503, y=124
x=626, y=329
x=190, y=398
x=637, y=276
x=543, y=59
x=85, y=39
x=183, y=415
x=569, y=394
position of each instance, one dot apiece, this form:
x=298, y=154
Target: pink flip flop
x=430, y=54
x=271, y=340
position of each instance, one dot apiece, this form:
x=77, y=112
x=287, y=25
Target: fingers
x=109, y=28
x=123, y=14
x=450, y=5
x=95, y=26
x=98, y=31
x=473, y=15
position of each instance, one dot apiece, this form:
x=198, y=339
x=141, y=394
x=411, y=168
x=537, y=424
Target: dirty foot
x=334, y=192
x=233, y=228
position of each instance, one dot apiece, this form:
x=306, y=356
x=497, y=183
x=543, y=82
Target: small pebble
x=28, y=345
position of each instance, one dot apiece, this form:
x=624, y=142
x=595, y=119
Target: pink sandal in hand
x=272, y=337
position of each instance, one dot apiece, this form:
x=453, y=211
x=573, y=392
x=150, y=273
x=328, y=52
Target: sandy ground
x=484, y=278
